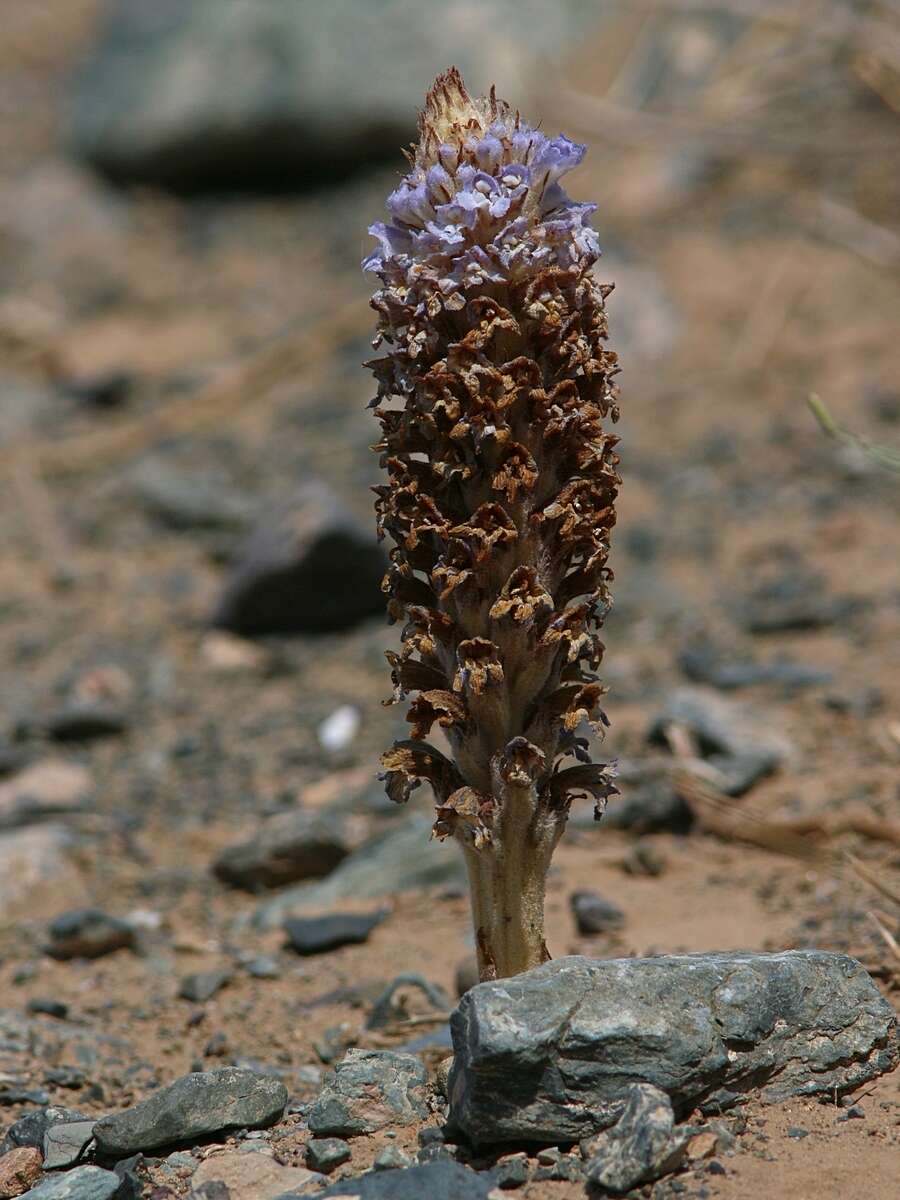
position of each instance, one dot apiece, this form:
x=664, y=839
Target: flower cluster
x=492, y=397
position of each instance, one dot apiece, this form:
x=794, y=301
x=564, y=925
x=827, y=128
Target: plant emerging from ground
x=500, y=498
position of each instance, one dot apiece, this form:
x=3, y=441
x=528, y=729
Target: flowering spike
x=492, y=396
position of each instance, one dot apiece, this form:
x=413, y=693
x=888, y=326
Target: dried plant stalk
x=500, y=497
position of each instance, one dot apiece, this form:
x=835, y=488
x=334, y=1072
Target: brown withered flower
x=492, y=395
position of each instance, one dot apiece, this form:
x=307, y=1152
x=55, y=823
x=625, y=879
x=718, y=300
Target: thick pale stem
x=507, y=880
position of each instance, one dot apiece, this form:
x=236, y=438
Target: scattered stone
x=84, y=1183
x=391, y=1158
x=45, y=789
x=511, y=1172
x=263, y=967
x=193, y=1107
x=12, y=759
x=400, y=860
x=20, y=1169
x=189, y=500
x=593, y=914
x=82, y=721
x=796, y=600
x=251, y=1176
x=103, y=390
x=229, y=654
x=65, y=1077
x=35, y=866
x=702, y=1145
x=370, y=1090
x=387, y=1010
x=326, y=1154
x=727, y=737
x=16, y=1094
x=203, y=985
x=335, y=1042
x=48, y=1008
x=308, y=567
x=65, y=1143
x=794, y=1131
x=88, y=933
x=30, y=1130
x=318, y=935
x=644, y=859
x=704, y=1028
x=288, y=848
x=567, y=1169
x=640, y=1147
x=217, y=1046
x=219, y=94
x=440, y=1180
x=705, y=663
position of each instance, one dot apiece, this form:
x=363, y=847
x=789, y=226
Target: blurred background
x=191, y=624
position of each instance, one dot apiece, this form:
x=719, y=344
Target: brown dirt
x=725, y=473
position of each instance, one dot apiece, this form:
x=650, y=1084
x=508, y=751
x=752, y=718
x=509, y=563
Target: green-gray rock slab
x=194, y=1106
x=548, y=1056
x=84, y=1183
x=370, y=1090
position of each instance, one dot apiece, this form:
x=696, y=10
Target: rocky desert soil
x=181, y=373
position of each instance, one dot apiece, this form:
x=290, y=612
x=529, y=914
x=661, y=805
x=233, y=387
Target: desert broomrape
x=492, y=395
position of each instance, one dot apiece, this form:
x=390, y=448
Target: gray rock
x=390, y=1158
x=705, y=663
x=511, y=1172
x=30, y=1129
x=793, y=601
x=84, y=1183
x=318, y=935
x=288, y=848
x=88, y=933
x=548, y=1056
x=82, y=721
x=65, y=1143
x=442, y=1180
x=326, y=1154
x=593, y=914
x=728, y=737
x=400, y=860
x=44, y=789
x=239, y=92
x=203, y=985
x=193, y=1107
x=370, y=1090
x=307, y=567
x=385, y=1010
x=642, y=1145
x=182, y=501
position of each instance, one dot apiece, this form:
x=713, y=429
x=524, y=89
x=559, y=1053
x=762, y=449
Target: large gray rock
x=401, y=860
x=194, y=1106
x=211, y=92
x=307, y=567
x=548, y=1056
x=431, y=1181
x=370, y=1090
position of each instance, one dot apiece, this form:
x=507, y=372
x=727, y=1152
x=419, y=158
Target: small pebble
x=325, y=1154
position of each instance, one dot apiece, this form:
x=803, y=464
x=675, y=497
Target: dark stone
x=182, y=501
x=385, y=1011
x=317, y=935
x=191, y=1108
x=103, y=391
x=370, y=1090
x=727, y=736
x=441, y=1180
x=706, y=663
x=48, y=1008
x=794, y=1131
x=547, y=1056
x=466, y=975
x=88, y=933
x=325, y=1154
x=288, y=848
x=83, y=1183
x=66, y=1142
x=263, y=967
x=82, y=721
x=794, y=601
x=30, y=1130
x=593, y=914
x=401, y=860
x=642, y=1145
x=218, y=94
x=66, y=1077
x=390, y=1158
x=307, y=567
x=23, y=1095
x=203, y=985
x=511, y=1172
